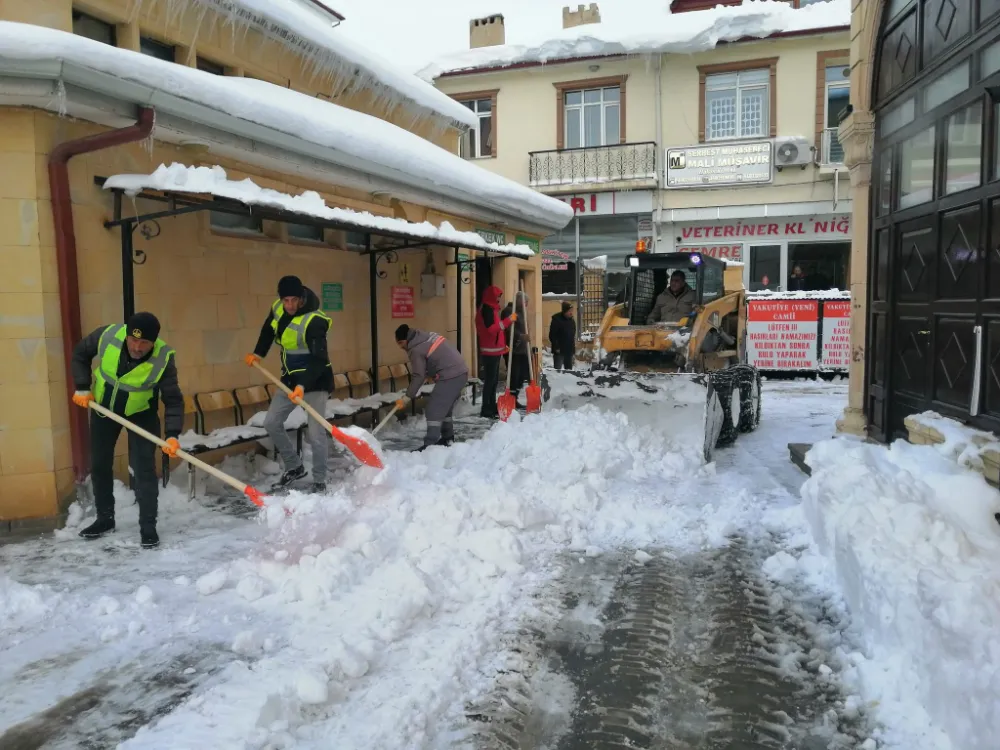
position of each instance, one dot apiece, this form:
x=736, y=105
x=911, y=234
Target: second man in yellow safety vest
x=299, y=328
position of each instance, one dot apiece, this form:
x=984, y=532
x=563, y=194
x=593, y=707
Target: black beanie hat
x=291, y=286
x=566, y=306
x=403, y=332
x=143, y=325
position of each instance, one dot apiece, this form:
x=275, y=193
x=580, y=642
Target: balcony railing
x=833, y=151
x=596, y=164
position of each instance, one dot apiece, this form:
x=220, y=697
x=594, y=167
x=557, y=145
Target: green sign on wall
x=491, y=236
x=533, y=244
x=333, y=297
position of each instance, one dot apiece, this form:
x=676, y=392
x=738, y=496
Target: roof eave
x=569, y=60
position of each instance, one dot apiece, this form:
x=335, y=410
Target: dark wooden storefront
x=934, y=272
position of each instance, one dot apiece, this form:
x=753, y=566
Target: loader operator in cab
x=675, y=302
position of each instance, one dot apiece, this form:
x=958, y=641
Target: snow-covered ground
x=390, y=611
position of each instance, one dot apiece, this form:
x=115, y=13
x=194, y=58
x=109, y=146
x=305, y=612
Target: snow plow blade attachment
x=701, y=410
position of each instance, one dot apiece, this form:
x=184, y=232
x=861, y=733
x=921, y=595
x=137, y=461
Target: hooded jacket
x=520, y=335
x=432, y=356
x=489, y=326
x=318, y=375
x=562, y=334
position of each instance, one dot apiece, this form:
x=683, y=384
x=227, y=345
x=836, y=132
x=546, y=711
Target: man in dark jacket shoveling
x=431, y=355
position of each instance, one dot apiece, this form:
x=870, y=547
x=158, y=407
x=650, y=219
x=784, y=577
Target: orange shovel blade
x=506, y=404
x=361, y=450
x=533, y=395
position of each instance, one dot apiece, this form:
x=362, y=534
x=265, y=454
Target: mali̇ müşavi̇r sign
x=718, y=166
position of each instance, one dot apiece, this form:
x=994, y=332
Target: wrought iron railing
x=833, y=151
x=568, y=166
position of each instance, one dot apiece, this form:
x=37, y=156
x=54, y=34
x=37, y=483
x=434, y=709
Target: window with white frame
x=477, y=144
x=838, y=96
x=738, y=104
x=592, y=117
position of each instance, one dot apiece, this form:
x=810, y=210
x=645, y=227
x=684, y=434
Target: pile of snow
x=916, y=549
x=658, y=31
x=179, y=178
x=962, y=444
x=765, y=294
x=340, y=135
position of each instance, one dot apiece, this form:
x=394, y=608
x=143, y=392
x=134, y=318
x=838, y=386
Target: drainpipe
x=660, y=155
x=69, y=289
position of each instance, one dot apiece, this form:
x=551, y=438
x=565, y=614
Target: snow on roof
x=178, y=178
x=380, y=147
x=330, y=51
x=658, y=32
x=829, y=294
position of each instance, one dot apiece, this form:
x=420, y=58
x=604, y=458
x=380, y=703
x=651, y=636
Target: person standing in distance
x=299, y=328
x=134, y=369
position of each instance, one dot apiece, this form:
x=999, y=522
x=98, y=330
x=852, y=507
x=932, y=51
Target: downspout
x=69, y=290
x=660, y=155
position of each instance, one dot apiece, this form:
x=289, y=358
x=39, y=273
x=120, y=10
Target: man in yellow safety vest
x=297, y=325
x=134, y=369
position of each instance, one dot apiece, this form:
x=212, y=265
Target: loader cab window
x=712, y=286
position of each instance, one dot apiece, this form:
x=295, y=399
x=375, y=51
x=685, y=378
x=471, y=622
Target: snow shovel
x=387, y=418
x=506, y=403
x=533, y=393
x=361, y=450
x=255, y=496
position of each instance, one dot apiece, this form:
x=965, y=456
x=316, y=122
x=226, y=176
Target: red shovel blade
x=506, y=404
x=361, y=450
x=255, y=496
x=533, y=394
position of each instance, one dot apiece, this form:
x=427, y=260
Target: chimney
x=581, y=16
x=487, y=32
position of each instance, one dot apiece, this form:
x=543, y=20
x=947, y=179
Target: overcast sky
x=411, y=34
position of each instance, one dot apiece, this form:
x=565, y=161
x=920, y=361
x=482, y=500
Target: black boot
x=290, y=476
x=318, y=488
x=149, y=536
x=98, y=528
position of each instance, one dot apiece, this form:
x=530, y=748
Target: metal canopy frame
x=187, y=203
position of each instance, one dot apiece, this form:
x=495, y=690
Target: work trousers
x=104, y=434
x=491, y=376
x=441, y=407
x=563, y=361
x=319, y=435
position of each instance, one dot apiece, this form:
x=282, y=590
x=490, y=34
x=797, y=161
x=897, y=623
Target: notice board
x=402, y=302
x=781, y=334
x=836, y=334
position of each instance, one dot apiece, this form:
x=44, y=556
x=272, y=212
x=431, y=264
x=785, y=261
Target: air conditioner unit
x=792, y=151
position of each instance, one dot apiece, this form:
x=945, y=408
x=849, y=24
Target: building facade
x=921, y=143
x=731, y=149
x=105, y=88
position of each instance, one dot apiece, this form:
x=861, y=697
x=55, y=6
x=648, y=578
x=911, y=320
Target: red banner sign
x=836, y=334
x=781, y=334
x=402, y=302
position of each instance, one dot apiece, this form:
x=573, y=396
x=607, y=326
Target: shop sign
x=533, y=244
x=607, y=204
x=721, y=165
x=402, y=302
x=333, y=297
x=722, y=252
x=835, y=227
x=781, y=334
x=836, y=334
x=500, y=238
x=555, y=260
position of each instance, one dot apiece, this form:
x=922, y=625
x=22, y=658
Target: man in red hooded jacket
x=490, y=328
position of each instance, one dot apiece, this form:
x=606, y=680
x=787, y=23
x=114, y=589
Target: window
x=916, y=169
x=479, y=143
x=307, y=232
x=837, y=97
x=738, y=104
x=765, y=267
x=156, y=49
x=355, y=239
x=946, y=86
x=94, y=28
x=248, y=223
x=964, y=157
x=817, y=266
x=590, y=113
x=211, y=67
x=592, y=117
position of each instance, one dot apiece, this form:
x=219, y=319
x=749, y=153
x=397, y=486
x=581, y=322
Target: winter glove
x=83, y=398
x=513, y=317
x=401, y=404
x=297, y=393
x=171, y=447
x=250, y=359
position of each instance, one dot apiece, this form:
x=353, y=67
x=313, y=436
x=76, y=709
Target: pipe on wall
x=65, y=236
